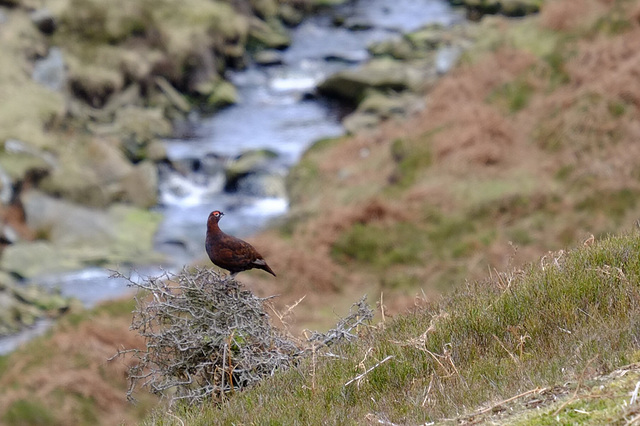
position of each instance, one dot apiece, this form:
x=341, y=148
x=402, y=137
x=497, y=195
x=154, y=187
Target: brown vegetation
x=517, y=153
x=67, y=375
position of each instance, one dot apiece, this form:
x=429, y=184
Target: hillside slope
x=530, y=145
x=527, y=148
x=557, y=341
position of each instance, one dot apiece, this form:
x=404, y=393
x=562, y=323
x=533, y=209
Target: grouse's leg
x=231, y=276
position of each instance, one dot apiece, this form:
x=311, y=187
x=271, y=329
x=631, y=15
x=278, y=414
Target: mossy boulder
x=269, y=34
x=97, y=173
x=21, y=306
x=138, y=127
x=223, y=94
x=396, y=48
x=520, y=7
x=477, y=8
x=290, y=15
x=78, y=237
x=265, y=9
x=427, y=38
x=17, y=158
x=94, y=83
x=268, y=57
x=141, y=185
x=249, y=163
x=380, y=73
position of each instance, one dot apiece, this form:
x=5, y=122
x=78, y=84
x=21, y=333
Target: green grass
x=28, y=412
x=571, y=313
x=411, y=158
x=514, y=95
x=615, y=204
x=380, y=246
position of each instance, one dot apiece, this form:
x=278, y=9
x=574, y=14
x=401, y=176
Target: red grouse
x=229, y=252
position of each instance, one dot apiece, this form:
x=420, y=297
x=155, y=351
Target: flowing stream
x=275, y=112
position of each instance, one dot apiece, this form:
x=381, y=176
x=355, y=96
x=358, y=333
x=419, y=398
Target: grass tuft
x=29, y=412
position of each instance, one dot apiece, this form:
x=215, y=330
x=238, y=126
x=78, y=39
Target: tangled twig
x=205, y=337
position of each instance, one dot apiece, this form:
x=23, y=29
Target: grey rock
x=380, y=73
x=79, y=237
x=446, y=58
x=141, y=185
x=268, y=57
x=63, y=222
x=223, y=94
x=263, y=185
x=271, y=34
x=29, y=259
x=50, y=71
x=251, y=162
x=290, y=15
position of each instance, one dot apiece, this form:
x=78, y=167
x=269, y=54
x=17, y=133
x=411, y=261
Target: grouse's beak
x=221, y=214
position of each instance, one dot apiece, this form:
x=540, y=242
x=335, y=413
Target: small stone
x=268, y=57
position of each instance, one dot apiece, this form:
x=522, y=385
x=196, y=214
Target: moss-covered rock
x=477, y=8
x=141, y=185
x=137, y=127
x=17, y=162
x=268, y=34
x=251, y=162
x=97, y=173
x=520, y=7
x=397, y=48
x=21, y=306
x=78, y=237
x=380, y=73
x=223, y=94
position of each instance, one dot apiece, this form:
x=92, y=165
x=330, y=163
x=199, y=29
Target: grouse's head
x=215, y=216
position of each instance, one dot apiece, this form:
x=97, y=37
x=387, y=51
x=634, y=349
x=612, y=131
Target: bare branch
x=205, y=337
x=343, y=330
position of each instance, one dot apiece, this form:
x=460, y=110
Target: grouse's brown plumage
x=229, y=252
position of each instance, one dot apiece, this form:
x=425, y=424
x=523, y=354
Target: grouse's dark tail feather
x=268, y=269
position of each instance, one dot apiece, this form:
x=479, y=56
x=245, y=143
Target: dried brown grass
x=594, y=117
x=472, y=132
x=571, y=15
x=72, y=366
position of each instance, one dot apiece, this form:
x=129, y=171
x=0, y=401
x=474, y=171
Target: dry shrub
x=306, y=258
x=591, y=122
x=205, y=337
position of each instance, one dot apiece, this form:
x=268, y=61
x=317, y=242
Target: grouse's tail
x=268, y=269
